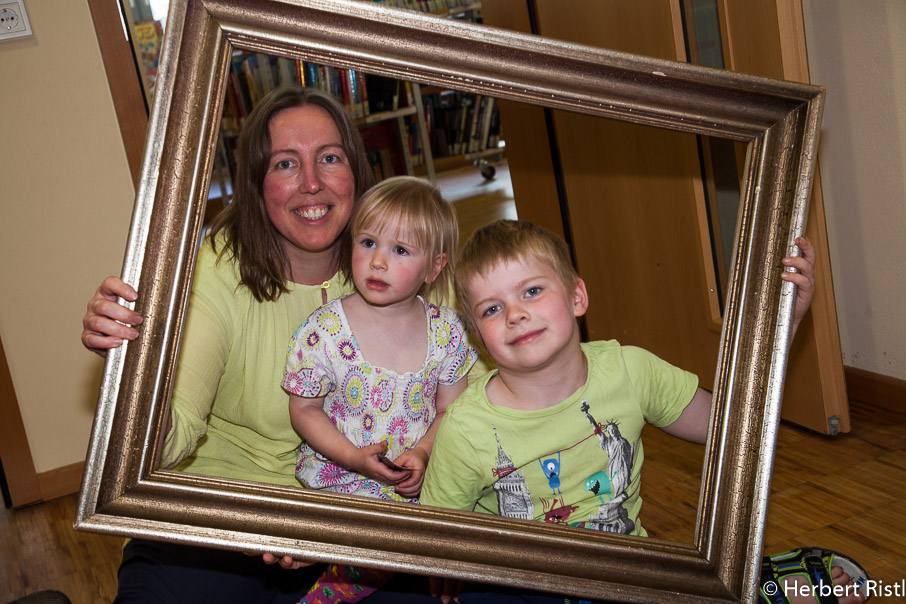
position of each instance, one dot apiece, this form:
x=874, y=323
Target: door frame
x=15, y=455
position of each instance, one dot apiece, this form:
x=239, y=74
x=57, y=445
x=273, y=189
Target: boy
x=554, y=434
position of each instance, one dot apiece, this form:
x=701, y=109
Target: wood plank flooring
x=846, y=493
x=40, y=550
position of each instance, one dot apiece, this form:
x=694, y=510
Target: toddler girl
x=370, y=374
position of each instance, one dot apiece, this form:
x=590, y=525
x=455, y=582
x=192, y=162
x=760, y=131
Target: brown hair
x=417, y=205
x=509, y=241
x=250, y=237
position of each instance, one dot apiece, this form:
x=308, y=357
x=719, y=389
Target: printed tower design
x=612, y=516
x=513, y=497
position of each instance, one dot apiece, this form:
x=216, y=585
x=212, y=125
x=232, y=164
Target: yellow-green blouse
x=230, y=416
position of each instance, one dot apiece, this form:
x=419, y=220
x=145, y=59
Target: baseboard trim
x=876, y=389
x=61, y=481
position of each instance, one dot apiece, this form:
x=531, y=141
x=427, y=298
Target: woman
x=270, y=259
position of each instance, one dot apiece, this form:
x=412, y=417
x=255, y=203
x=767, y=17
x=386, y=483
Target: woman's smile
x=313, y=212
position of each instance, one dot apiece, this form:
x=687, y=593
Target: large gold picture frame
x=123, y=492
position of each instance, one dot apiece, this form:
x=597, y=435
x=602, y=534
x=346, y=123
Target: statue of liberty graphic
x=611, y=516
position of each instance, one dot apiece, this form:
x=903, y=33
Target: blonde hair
x=509, y=241
x=416, y=206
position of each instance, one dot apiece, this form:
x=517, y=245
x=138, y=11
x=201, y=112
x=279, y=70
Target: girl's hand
x=804, y=278
x=286, y=562
x=416, y=461
x=446, y=589
x=365, y=461
x=107, y=324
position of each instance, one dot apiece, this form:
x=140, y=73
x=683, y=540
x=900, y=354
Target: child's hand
x=365, y=461
x=415, y=460
x=287, y=562
x=804, y=278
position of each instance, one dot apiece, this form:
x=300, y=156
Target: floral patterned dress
x=370, y=404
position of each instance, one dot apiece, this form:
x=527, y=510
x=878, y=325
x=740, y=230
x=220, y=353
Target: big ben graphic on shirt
x=513, y=497
x=580, y=476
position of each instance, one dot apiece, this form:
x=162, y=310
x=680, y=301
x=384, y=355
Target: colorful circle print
x=346, y=349
x=455, y=343
x=330, y=322
x=354, y=391
x=415, y=397
x=312, y=340
x=444, y=335
x=382, y=393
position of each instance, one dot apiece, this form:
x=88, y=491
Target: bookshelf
x=389, y=113
x=407, y=128
x=463, y=128
x=436, y=7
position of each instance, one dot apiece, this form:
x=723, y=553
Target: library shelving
x=463, y=128
x=406, y=128
x=389, y=112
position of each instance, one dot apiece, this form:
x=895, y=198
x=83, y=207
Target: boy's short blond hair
x=416, y=205
x=509, y=241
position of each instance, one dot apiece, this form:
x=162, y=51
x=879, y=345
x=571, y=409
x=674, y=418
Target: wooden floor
x=477, y=200
x=846, y=493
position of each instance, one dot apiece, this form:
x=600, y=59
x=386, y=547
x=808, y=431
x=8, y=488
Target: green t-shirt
x=577, y=462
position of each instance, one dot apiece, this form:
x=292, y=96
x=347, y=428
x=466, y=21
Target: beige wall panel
x=858, y=51
x=66, y=205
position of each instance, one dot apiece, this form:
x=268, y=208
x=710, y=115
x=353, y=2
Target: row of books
x=385, y=142
x=461, y=123
x=253, y=75
x=432, y=6
x=457, y=123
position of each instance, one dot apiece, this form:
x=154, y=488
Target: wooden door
x=768, y=39
x=18, y=467
x=632, y=205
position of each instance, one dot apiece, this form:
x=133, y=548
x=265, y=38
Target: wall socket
x=13, y=20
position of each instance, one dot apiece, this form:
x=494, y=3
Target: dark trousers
x=491, y=594
x=165, y=573
x=154, y=572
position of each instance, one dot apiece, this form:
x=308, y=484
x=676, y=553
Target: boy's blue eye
x=532, y=291
x=490, y=310
x=400, y=250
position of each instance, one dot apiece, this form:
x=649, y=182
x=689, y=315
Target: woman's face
x=309, y=187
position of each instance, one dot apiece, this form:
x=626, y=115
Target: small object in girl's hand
x=386, y=461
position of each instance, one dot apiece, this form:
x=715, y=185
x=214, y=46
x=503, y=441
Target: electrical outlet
x=13, y=20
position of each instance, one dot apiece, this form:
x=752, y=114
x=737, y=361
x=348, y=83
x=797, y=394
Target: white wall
x=65, y=205
x=857, y=50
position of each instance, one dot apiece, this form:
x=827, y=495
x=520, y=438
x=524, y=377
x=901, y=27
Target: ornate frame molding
x=123, y=493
